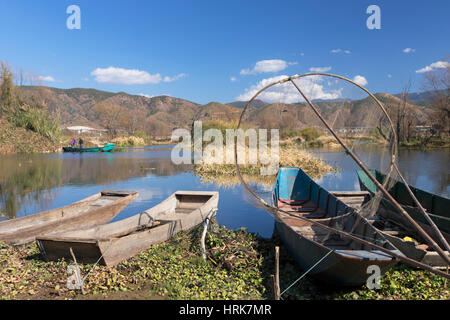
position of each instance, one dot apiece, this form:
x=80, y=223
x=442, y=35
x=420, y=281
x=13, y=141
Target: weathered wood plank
x=83, y=214
x=123, y=239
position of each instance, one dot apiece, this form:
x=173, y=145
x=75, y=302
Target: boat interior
x=91, y=203
x=174, y=208
x=298, y=195
x=434, y=204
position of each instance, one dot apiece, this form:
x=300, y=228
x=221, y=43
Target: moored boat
x=400, y=237
x=436, y=206
x=347, y=261
x=96, y=209
x=108, y=148
x=112, y=243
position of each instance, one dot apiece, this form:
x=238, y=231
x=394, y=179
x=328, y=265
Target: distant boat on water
x=108, y=148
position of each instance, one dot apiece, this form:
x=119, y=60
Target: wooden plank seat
x=305, y=208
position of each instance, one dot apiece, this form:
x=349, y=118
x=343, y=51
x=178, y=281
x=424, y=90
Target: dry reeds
x=289, y=156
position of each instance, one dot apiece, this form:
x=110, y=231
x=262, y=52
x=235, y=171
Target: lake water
x=33, y=183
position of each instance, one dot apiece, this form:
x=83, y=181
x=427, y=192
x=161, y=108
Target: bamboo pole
x=424, y=213
x=277, y=273
x=400, y=257
x=77, y=275
x=380, y=187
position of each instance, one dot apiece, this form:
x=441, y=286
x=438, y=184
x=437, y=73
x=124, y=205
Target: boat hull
x=347, y=265
x=436, y=206
x=337, y=269
x=108, y=148
x=110, y=244
x=92, y=211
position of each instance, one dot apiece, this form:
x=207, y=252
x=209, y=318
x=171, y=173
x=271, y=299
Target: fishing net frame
x=274, y=211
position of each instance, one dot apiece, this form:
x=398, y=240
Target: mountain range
x=161, y=114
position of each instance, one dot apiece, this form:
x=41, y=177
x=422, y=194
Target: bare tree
x=438, y=83
x=403, y=117
x=109, y=115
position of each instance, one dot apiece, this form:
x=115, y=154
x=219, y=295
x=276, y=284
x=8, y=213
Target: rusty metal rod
x=378, y=184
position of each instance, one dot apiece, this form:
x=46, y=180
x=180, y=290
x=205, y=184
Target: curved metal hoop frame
x=276, y=211
x=292, y=78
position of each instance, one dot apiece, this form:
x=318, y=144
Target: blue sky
x=221, y=50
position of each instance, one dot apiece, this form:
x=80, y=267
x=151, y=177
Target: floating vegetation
x=290, y=156
x=238, y=266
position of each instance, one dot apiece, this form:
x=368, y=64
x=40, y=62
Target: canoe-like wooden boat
x=393, y=232
x=437, y=207
x=112, y=243
x=108, y=148
x=347, y=264
x=94, y=210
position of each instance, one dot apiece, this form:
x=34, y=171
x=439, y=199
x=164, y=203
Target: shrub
x=310, y=133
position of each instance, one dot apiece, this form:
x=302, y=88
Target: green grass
x=36, y=120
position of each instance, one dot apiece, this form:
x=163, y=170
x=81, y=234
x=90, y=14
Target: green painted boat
x=437, y=207
x=108, y=148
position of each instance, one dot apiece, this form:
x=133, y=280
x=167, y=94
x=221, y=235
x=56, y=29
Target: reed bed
x=289, y=156
x=130, y=141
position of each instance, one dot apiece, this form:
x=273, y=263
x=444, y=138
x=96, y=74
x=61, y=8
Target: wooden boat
x=108, y=148
x=436, y=206
x=393, y=232
x=112, y=243
x=97, y=209
x=295, y=192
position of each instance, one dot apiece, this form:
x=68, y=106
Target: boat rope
x=211, y=214
x=305, y=273
x=95, y=264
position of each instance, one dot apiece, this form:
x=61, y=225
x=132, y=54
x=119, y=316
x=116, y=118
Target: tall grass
x=36, y=120
x=32, y=117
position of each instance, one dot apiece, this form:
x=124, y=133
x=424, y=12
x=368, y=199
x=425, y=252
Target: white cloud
x=124, y=76
x=144, y=95
x=233, y=79
x=320, y=69
x=434, y=66
x=287, y=93
x=362, y=81
x=389, y=75
x=340, y=50
x=302, y=54
x=46, y=78
x=408, y=50
x=174, y=78
x=273, y=65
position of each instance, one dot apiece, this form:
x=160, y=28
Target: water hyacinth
x=238, y=266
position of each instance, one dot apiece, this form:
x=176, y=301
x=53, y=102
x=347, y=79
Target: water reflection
x=427, y=170
x=33, y=183
x=28, y=182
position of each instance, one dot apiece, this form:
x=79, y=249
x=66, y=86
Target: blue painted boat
x=347, y=265
x=108, y=148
